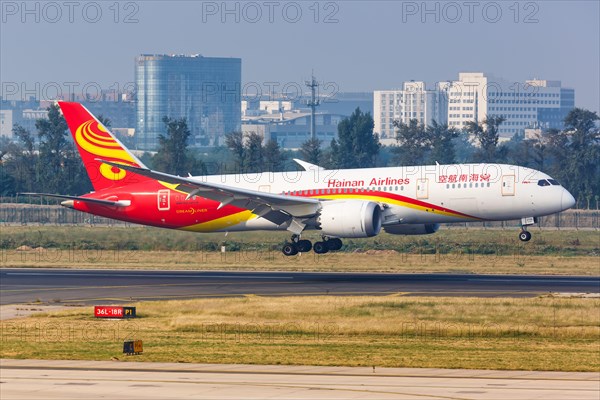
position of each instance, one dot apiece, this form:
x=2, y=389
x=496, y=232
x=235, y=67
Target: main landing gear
x=297, y=245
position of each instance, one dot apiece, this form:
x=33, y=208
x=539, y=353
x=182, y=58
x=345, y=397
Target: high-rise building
x=413, y=101
x=204, y=90
x=532, y=104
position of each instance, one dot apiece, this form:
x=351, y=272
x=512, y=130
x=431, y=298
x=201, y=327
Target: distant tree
x=235, y=143
x=487, y=134
x=22, y=160
x=356, y=146
x=532, y=152
x=146, y=159
x=557, y=143
x=441, y=139
x=311, y=151
x=55, y=147
x=274, y=157
x=254, y=155
x=173, y=156
x=105, y=121
x=583, y=149
x=8, y=185
x=413, y=143
x=464, y=149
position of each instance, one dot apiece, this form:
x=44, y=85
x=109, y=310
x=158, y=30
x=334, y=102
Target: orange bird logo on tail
x=95, y=141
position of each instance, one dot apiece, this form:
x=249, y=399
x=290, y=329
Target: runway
x=106, y=286
x=40, y=379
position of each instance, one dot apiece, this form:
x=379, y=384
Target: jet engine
x=350, y=218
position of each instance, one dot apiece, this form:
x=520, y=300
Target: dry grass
x=467, y=251
x=394, y=331
x=257, y=260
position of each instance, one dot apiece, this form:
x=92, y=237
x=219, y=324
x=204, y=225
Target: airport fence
x=52, y=214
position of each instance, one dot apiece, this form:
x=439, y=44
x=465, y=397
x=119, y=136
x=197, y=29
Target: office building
x=413, y=101
x=204, y=90
x=532, y=104
x=474, y=96
x=290, y=127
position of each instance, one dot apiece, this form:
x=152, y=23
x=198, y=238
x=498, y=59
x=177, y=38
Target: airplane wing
x=84, y=199
x=276, y=208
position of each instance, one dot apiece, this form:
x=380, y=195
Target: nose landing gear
x=525, y=236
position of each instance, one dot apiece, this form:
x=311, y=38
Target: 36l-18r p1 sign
x=114, y=312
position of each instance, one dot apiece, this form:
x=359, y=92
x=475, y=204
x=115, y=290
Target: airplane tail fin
x=95, y=142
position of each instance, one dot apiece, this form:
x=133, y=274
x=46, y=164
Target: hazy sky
x=357, y=45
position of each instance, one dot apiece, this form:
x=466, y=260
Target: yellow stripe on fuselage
x=220, y=223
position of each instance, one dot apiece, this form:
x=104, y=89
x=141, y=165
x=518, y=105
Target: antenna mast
x=313, y=103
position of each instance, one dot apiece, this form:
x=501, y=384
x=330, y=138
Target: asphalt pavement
x=107, y=286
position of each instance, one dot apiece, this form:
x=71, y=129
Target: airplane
x=345, y=203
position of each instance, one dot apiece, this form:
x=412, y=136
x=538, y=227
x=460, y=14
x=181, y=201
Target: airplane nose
x=567, y=200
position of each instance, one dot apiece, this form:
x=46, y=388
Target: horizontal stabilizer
x=119, y=203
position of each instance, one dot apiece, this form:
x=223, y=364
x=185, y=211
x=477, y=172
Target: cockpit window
x=543, y=182
x=554, y=182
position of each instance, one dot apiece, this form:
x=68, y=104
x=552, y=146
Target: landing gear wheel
x=320, y=247
x=289, y=249
x=334, y=244
x=304, y=246
x=525, y=236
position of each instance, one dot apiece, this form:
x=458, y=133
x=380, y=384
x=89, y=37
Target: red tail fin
x=95, y=141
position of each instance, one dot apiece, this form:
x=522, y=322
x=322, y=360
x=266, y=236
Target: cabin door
x=508, y=185
x=422, y=188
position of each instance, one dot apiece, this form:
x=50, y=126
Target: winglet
x=308, y=166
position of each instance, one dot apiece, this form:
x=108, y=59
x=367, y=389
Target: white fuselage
x=419, y=194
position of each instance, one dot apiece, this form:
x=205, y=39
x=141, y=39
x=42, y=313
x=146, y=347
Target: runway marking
x=144, y=275
x=137, y=286
x=551, y=280
x=284, y=294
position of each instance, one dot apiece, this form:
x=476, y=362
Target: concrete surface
x=40, y=379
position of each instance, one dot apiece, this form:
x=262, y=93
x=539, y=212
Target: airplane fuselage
x=408, y=195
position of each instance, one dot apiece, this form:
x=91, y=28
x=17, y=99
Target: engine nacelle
x=412, y=229
x=350, y=218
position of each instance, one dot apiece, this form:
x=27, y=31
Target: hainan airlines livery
x=352, y=203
